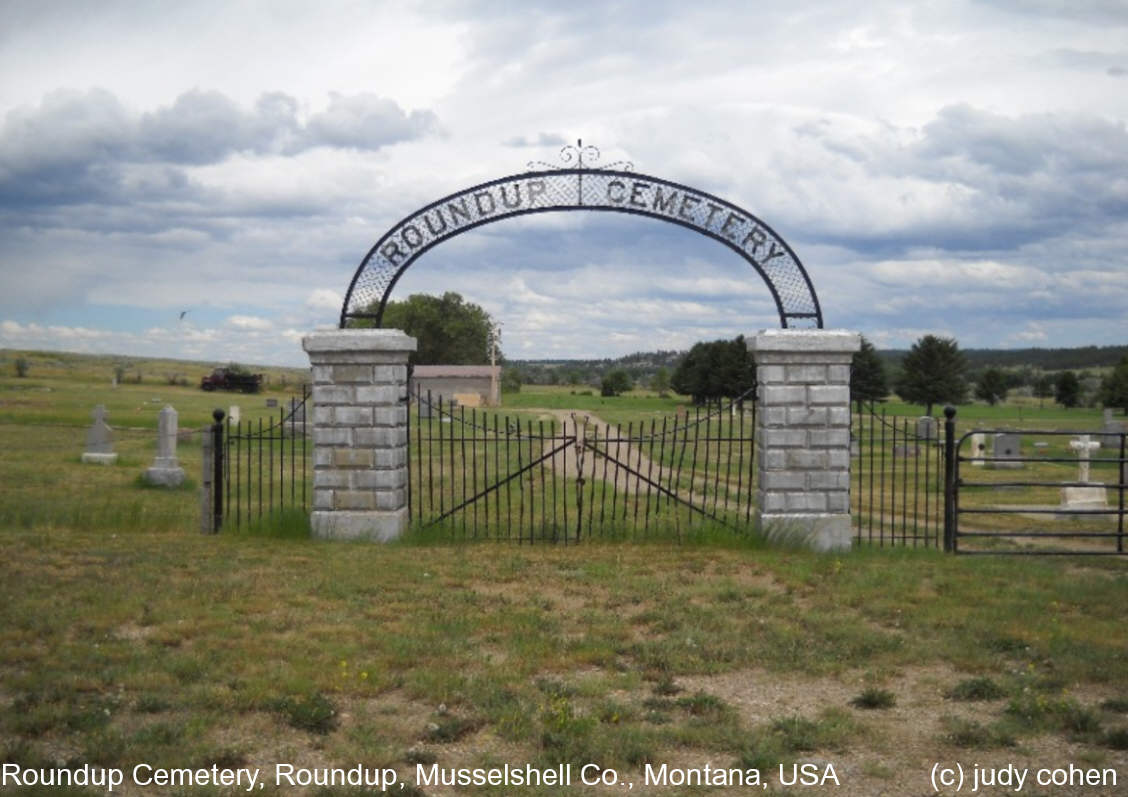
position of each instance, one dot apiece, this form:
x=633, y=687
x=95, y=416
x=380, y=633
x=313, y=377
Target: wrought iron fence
x=262, y=466
x=481, y=474
x=897, y=479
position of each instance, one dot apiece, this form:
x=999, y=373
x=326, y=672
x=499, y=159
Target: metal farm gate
x=567, y=475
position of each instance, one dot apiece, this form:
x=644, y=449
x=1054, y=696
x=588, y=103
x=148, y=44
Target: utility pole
x=495, y=340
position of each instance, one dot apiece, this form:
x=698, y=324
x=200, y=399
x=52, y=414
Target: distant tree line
x=933, y=371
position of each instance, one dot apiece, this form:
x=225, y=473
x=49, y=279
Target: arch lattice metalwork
x=620, y=190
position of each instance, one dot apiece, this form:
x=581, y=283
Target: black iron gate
x=1033, y=494
x=567, y=475
x=896, y=479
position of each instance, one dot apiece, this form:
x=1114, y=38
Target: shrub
x=22, y=367
x=873, y=697
x=315, y=713
x=975, y=689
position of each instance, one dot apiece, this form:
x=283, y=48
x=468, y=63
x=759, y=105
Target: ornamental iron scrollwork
x=616, y=188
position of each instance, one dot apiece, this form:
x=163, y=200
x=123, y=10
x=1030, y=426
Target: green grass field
x=126, y=637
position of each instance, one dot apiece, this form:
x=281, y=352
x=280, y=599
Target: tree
x=510, y=380
x=660, y=382
x=614, y=383
x=1067, y=389
x=933, y=372
x=715, y=370
x=991, y=386
x=1114, y=387
x=867, y=376
x=450, y=331
x=1043, y=388
x=21, y=367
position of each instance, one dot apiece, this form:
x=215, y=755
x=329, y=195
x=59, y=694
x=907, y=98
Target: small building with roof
x=469, y=385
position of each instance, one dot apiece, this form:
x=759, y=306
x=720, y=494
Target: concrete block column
x=359, y=432
x=803, y=435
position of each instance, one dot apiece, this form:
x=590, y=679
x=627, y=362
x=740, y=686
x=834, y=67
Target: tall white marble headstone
x=166, y=470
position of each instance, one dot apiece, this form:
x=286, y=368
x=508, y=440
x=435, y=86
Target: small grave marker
x=978, y=448
x=99, y=440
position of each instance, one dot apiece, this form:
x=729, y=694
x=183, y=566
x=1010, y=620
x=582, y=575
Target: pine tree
x=1114, y=387
x=933, y=372
x=991, y=386
x=867, y=376
x=1067, y=389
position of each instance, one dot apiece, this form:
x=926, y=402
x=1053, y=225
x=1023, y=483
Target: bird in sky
x=182, y=314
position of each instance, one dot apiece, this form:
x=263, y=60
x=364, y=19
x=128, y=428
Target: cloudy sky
x=951, y=167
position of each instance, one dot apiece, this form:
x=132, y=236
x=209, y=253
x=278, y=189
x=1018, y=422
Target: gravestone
x=1087, y=497
x=271, y=403
x=904, y=452
x=926, y=428
x=1111, y=431
x=978, y=448
x=233, y=414
x=99, y=440
x=1005, y=449
x=297, y=412
x=165, y=470
x=855, y=447
x=424, y=407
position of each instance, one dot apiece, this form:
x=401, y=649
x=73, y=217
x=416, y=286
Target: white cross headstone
x=165, y=470
x=1083, y=445
x=1092, y=496
x=99, y=440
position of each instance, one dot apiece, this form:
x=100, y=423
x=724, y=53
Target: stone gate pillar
x=359, y=432
x=803, y=435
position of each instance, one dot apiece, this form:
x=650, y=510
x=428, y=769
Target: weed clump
x=315, y=713
x=874, y=698
x=973, y=689
x=973, y=735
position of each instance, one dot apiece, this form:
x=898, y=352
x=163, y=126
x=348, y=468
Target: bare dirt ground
x=624, y=458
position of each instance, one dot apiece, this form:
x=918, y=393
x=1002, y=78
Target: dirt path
x=591, y=427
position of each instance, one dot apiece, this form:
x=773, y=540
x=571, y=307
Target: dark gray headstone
x=1110, y=432
x=1005, y=447
x=272, y=403
x=904, y=452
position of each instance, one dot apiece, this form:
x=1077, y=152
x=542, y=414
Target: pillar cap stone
x=805, y=340
x=330, y=340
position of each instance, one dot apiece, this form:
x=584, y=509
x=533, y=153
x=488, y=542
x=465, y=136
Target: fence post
x=949, y=479
x=217, y=471
x=206, y=481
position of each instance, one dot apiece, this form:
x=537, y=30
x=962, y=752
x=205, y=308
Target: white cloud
x=241, y=165
x=249, y=322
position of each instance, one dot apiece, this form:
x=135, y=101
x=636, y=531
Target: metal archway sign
x=619, y=190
